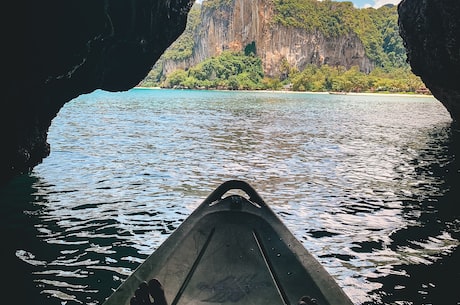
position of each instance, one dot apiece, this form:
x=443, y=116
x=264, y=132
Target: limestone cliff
x=237, y=23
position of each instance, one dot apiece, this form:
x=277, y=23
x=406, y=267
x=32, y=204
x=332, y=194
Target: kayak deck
x=233, y=250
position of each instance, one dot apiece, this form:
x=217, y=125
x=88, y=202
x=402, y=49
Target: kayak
x=235, y=250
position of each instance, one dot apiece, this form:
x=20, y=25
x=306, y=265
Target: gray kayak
x=233, y=250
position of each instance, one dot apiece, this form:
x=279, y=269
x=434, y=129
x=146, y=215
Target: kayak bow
x=233, y=250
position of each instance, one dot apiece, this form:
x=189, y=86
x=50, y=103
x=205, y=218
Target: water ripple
x=365, y=182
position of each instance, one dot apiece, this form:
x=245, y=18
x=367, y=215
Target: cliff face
x=54, y=51
x=431, y=32
x=241, y=22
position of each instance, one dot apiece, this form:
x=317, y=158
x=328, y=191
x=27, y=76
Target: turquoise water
x=367, y=184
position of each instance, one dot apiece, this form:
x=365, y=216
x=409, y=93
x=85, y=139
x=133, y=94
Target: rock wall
x=56, y=50
x=241, y=22
x=431, y=33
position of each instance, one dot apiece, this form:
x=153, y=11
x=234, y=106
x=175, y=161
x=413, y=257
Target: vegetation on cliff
x=230, y=70
x=216, y=3
x=338, y=79
x=181, y=49
x=237, y=71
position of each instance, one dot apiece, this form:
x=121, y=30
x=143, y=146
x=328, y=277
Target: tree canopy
x=229, y=70
x=237, y=71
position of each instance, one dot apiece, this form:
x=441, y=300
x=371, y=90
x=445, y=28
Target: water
x=367, y=183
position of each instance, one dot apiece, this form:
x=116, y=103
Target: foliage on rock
x=230, y=70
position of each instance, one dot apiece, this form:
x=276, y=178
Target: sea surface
x=368, y=184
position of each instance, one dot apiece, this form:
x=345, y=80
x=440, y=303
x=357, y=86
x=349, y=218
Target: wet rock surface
x=431, y=32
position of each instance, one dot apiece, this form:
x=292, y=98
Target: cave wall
x=54, y=51
x=431, y=33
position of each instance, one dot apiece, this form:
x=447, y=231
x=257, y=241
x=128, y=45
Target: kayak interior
x=233, y=249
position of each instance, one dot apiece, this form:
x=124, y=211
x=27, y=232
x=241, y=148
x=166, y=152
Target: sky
x=372, y=3
x=364, y=3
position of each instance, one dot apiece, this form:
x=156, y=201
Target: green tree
x=176, y=78
x=232, y=70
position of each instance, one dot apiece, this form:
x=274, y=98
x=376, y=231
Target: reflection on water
x=429, y=271
x=367, y=183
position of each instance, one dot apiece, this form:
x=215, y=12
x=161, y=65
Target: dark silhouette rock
x=54, y=51
x=431, y=33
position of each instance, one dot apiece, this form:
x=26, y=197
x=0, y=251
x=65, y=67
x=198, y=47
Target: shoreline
x=409, y=94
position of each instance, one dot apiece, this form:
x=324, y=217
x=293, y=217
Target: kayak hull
x=233, y=250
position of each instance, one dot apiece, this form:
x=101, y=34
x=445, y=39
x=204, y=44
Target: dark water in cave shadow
x=25, y=276
x=18, y=232
x=433, y=283
x=438, y=281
